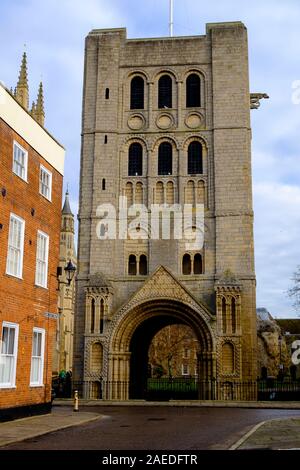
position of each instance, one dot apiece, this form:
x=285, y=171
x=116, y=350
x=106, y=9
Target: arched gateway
x=131, y=337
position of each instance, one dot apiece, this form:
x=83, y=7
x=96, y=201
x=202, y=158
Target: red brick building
x=31, y=169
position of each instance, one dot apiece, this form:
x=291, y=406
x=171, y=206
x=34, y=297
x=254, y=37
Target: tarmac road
x=155, y=428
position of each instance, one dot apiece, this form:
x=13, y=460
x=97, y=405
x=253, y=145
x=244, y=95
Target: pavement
x=19, y=430
x=277, y=405
x=275, y=434
x=280, y=433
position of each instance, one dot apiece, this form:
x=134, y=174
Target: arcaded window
x=132, y=265
x=159, y=193
x=224, y=319
x=233, y=315
x=200, y=192
x=137, y=93
x=195, y=165
x=101, y=315
x=186, y=264
x=93, y=315
x=129, y=193
x=170, y=192
x=193, y=94
x=165, y=92
x=96, y=358
x=189, y=193
x=143, y=267
x=135, y=160
x=227, y=358
x=165, y=159
x=139, y=194
x=198, y=267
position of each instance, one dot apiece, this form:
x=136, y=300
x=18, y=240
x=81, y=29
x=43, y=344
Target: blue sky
x=54, y=32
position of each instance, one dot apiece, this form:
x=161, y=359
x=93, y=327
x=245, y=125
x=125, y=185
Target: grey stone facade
x=225, y=291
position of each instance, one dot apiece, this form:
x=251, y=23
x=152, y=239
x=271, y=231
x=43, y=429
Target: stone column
x=179, y=103
x=87, y=315
x=97, y=316
x=180, y=179
x=150, y=103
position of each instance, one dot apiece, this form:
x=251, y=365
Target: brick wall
x=21, y=301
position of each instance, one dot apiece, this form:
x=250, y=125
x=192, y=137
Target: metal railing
x=190, y=388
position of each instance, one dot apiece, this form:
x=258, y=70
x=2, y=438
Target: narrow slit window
x=198, y=267
x=132, y=265
x=107, y=94
x=186, y=264
x=143, y=268
x=93, y=315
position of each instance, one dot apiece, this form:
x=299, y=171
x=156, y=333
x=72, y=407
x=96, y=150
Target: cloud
x=277, y=231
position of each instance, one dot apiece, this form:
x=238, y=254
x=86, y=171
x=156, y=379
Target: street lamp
x=70, y=271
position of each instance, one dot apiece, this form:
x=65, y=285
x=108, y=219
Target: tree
x=167, y=347
x=294, y=291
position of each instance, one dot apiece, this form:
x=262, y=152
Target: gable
x=163, y=285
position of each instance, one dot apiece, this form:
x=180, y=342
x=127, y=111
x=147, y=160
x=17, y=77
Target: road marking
x=247, y=435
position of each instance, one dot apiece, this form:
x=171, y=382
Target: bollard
x=75, y=400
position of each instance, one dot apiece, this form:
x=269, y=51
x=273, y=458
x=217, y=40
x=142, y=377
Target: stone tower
x=165, y=121
x=63, y=354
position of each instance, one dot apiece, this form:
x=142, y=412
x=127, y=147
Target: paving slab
x=27, y=428
x=275, y=434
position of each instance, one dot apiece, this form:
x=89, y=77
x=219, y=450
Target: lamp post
x=70, y=270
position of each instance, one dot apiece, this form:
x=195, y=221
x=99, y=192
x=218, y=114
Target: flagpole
x=171, y=24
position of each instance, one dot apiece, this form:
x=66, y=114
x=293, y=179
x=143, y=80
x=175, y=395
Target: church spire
x=22, y=90
x=39, y=107
x=67, y=208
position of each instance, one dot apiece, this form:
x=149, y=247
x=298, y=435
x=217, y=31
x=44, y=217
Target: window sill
x=20, y=177
x=7, y=386
x=45, y=197
x=36, y=385
x=14, y=276
x=41, y=287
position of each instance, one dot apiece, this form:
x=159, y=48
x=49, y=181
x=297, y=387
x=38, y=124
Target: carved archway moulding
x=161, y=295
